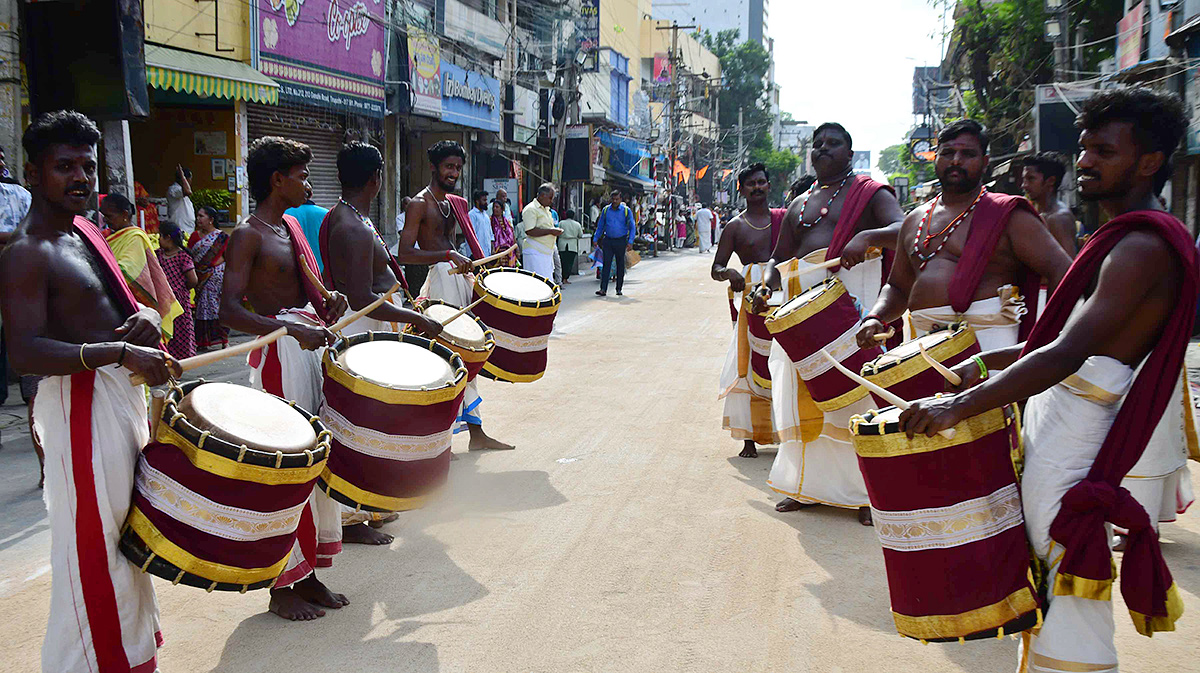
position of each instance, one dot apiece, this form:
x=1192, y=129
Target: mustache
x=80, y=186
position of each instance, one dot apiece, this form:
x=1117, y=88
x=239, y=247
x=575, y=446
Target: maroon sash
x=987, y=227
x=108, y=265
x=461, y=208
x=304, y=255
x=1146, y=582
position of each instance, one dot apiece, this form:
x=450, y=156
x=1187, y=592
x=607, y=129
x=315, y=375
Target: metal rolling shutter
x=321, y=131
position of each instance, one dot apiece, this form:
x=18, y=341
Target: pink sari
x=505, y=238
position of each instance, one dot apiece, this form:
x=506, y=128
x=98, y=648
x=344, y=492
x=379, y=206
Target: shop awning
x=633, y=180
x=173, y=69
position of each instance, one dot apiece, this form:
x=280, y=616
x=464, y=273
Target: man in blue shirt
x=310, y=216
x=614, y=236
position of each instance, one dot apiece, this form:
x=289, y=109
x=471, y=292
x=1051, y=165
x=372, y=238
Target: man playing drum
x=1098, y=376
x=358, y=264
x=428, y=238
x=70, y=317
x=752, y=235
x=263, y=269
x=846, y=214
x=968, y=254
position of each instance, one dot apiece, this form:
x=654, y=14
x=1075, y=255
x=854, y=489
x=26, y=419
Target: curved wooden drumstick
x=345, y=321
x=886, y=335
x=954, y=379
x=461, y=311
x=203, y=359
x=312, y=278
x=829, y=264
x=488, y=260
x=892, y=398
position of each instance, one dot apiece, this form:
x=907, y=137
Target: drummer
x=69, y=316
x=969, y=254
x=847, y=214
x=263, y=270
x=428, y=238
x=1097, y=385
x=358, y=264
x=751, y=235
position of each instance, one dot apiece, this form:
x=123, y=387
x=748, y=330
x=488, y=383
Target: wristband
x=121, y=357
x=872, y=316
x=983, y=371
x=82, y=361
x=448, y=255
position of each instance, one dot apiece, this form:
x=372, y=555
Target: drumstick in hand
x=312, y=278
x=892, y=398
x=488, y=260
x=886, y=335
x=347, y=320
x=833, y=263
x=461, y=311
x=203, y=359
x=954, y=379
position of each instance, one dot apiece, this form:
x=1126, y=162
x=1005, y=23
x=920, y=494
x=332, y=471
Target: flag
x=700, y=173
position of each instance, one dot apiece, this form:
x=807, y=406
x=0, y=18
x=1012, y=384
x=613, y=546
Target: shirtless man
x=1040, y=180
x=941, y=279
x=358, y=264
x=847, y=214
x=70, y=317
x=1087, y=420
x=752, y=236
x=262, y=265
x=430, y=222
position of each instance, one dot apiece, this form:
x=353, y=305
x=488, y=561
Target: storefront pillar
x=241, y=198
x=118, y=157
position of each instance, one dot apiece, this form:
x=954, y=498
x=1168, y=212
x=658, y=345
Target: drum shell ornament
x=474, y=355
x=521, y=328
x=904, y=372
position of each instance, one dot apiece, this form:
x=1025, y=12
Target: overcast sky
x=851, y=61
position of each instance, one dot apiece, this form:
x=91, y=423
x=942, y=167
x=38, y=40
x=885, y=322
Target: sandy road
x=621, y=535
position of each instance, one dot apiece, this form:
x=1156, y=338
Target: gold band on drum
x=832, y=289
x=516, y=306
x=354, y=496
x=388, y=395
x=902, y=370
x=186, y=561
x=871, y=440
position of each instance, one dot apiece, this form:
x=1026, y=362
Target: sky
x=851, y=61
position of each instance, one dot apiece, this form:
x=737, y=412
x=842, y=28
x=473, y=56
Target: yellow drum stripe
x=370, y=499
x=184, y=560
x=896, y=444
x=778, y=323
x=374, y=391
x=229, y=468
x=509, y=376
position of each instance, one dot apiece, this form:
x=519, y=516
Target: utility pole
x=741, y=149
x=673, y=123
x=568, y=88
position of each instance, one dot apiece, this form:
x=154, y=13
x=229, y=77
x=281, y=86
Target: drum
x=390, y=404
x=824, y=317
x=948, y=515
x=219, y=492
x=903, y=371
x=466, y=335
x=760, y=338
x=519, y=308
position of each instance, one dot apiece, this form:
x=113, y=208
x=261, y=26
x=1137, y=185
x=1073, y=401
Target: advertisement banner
x=1129, y=37
x=328, y=53
x=662, y=68
x=470, y=98
x=588, y=28
x=425, y=72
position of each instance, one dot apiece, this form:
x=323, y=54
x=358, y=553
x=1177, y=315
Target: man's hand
x=628, y=247
x=758, y=300
x=855, y=251
x=310, y=338
x=143, y=328
x=428, y=327
x=460, y=263
x=968, y=371
x=737, y=282
x=336, y=306
x=867, y=331
x=152, y=364
x=931, y=415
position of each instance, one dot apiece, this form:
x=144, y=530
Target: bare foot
x=864, y=516
x=385, y=520
x=480, y=441
x=311, y=590
x=749, y=450
x=790, y=505
x=361, y=533
x=288, y=604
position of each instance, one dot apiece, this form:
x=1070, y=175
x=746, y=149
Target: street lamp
x=1053, y=30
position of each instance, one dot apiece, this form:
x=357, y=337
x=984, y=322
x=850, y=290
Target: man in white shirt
x=704, y=226
x=540, y=233
x=481, y=222
x=179, y=202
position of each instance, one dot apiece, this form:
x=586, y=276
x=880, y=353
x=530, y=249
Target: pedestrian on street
x=176, y=262
x=310, y=216
x=568, y=244
x=480, y=221
x=614, y=237
x=704, y=225
x=503, y=235
x=540, y=232
x=208, y=251
x=179, y=202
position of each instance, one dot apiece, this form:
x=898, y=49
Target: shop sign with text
x=470, y=98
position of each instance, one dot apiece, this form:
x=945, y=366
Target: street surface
x=621, y=535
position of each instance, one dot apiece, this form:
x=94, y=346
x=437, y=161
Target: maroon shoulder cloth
x=777, y=215
x=1086, y=566
x=987, y=227
x=461, y=208
x=304, y=255
x=108, y=265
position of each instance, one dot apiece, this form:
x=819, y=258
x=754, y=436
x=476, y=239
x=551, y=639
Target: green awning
x=184, y=71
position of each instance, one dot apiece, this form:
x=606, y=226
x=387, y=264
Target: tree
x=744, y=68
x=781, y=165
x=897, y=161
x=889, y=158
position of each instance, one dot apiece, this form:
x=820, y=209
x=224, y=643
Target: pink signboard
x=328, y=53
x=1129, y=37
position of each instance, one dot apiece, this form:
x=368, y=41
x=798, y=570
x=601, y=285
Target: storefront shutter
x=321, y=131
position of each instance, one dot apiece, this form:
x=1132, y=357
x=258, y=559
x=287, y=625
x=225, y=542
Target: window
x=619, y=88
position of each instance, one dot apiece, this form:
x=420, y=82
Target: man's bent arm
x=886, y=210
x=720, y=267
x=408, y=252
x=1062, y=228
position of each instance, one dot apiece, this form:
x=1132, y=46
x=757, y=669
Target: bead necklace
x=367, y=221
x=948, y=230
x=825, y=208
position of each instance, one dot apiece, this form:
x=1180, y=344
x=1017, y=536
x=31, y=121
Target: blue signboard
x=470, y=98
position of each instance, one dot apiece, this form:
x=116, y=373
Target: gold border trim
x=543, y=307
x=510, y=377
x=362, y=497
x=360, y=386
x=760, y=381
x=225, y=467
x=844, y=400
x=906, y=369
x=1052, y=664
x=1090, y=391
x=832, y=288
x=466, y=352
x=896, y=444
x=1148, y=626
x=184, y=560
x=1083, y=587
x=996, y=615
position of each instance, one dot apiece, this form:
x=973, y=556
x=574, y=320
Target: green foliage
x=220, y=199
x=897, y=162
x=781, y=164
x=744, y=68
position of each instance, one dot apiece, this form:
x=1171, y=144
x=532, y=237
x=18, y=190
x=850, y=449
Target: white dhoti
x=705, y=231
x=816, y=462
x=457, y=290
x=536, y=260
x=103, y=614
x=996, y=321
x=286, y=370
x=747, y=412
x=1063, y=431
x=1160, y=481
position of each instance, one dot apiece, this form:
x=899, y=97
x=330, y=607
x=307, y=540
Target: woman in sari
x=176, y=263
x=502, y=232
x=135, y=255
x=208, y=249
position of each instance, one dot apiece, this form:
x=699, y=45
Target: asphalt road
x=621, y=535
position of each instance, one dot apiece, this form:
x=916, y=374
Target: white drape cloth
x=457, y=289
x=102, y=608
x=747, y=412
x=538, y=261
x=996, y=320
x=1161, y=480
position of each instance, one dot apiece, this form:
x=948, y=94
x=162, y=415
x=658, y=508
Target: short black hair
x=751, y=170
x=357, y=163
x=61, y=127
x=443, y=149
x=117, y=201
x=968, y=126
x=1050, y=165
x=569, y=214
x=268, y=155
x=187, y=173
x=478, y=193
x=1158, y=119
x=211, y=212
x=834, y=126
x=172, y=231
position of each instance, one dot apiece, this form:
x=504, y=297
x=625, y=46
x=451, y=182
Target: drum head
x=518, y=286
x=464, y=331
x=800, y=300
x=241, y=415
x=396, y=364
